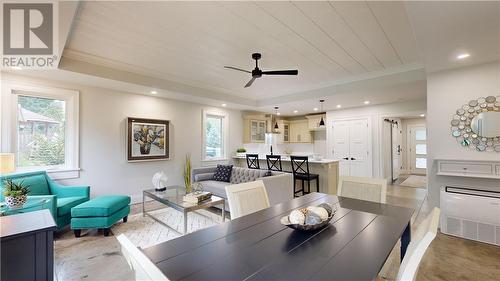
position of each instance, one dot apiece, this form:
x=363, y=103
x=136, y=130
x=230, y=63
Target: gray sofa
x=279, y=185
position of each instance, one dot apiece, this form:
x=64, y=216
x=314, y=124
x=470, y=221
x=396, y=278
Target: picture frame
x=147, y=139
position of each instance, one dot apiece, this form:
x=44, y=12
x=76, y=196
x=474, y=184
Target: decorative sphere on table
x=160, y=181
x=327, y=207
x=321, y=212
x=297, y=217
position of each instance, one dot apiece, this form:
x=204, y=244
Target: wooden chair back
x=274, y=163
x=253, y=161
x=246, y=198
x=369, y=189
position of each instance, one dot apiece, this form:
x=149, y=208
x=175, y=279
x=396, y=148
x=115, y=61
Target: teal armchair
x=60, y=198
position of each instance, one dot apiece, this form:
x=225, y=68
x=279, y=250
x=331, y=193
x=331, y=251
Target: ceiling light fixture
x=154, y=92
x=295, y=111
x=276, y=127
x=339, y=105
x=278, y=114
x=366, y=102
x=463, y=56
x=224, y=105
x=321, y=122
x=422, y=115
x=17, y=68
x=315, y=109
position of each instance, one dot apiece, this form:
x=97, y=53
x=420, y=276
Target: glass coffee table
x=31, y=205
x=172, y=197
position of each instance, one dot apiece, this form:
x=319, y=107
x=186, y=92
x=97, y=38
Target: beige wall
x=103, y=114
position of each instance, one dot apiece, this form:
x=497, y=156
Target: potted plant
x=15, y=194
x=241, y=152
x=187, y=174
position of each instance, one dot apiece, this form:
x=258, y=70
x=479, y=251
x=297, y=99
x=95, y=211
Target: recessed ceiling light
x=422, y=115
x=224, y=104
x=315, y=109
x=17, y=68
x=154, y=92
x=463, y=56
x=295, y=111
x=339, y=105
x=366, y=102
x=277, y=113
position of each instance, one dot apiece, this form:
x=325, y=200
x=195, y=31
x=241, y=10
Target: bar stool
x=274, y=163
x=253, y=161
x=302, y=173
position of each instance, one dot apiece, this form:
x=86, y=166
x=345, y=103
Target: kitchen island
x=327, y=169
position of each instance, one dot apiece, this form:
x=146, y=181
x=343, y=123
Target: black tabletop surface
x=354, y=246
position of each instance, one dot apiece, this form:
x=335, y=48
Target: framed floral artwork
x=147, y=139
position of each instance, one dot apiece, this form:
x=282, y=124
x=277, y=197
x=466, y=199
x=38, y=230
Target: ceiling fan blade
x=281, y=72
x=239, y=69
x=250, y=82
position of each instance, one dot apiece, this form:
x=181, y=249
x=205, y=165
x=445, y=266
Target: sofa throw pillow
x=223, y=173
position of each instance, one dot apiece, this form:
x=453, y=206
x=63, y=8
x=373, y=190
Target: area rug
x=145, y=232
x=415, y=181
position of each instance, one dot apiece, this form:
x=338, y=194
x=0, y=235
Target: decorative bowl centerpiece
x=310, y=218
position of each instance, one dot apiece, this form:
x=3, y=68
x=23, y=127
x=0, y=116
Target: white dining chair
x=421, y=239
x=144, y=269
x=246, y=198
x=369, y=189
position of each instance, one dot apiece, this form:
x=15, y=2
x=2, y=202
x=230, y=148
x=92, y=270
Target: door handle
x=353, y=158
x=346, y=158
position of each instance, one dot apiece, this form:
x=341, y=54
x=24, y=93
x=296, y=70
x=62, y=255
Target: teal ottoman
x=100, y=212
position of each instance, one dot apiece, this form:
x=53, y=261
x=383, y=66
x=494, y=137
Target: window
x=43, y=128
x=214, y=135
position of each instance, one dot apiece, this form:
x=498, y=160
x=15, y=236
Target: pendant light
x=321, y=122
x=276, y=127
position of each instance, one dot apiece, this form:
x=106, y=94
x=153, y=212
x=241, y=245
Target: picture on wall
x=147, y=139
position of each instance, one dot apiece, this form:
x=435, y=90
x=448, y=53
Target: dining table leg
x=405, y=240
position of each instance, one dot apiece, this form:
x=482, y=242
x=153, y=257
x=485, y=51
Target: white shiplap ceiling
x=190, y=42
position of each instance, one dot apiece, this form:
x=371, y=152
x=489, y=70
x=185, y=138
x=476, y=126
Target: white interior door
x=341, y=146
x=418, y=150
x=358, y=148
x=351, y=147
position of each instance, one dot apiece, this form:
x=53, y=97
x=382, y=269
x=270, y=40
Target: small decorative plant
x=241, y=150
x=15, y=193
x=187, y=173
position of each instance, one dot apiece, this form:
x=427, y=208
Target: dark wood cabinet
x=27, y=246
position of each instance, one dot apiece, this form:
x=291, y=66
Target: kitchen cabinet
x=313, y=122
x=254, y=129
x=299, y=131
x=284, y=130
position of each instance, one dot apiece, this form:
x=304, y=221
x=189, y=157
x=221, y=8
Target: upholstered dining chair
x=144, y=269
x=369, y=189
x=421, y=239
x=246, y=198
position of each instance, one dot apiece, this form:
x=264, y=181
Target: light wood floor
x=94, y=257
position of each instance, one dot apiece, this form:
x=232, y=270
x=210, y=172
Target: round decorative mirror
x=477, y=124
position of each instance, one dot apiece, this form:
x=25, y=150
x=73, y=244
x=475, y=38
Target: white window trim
x=8, y=142
x=225, y=135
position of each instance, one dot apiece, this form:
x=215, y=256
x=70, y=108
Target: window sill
x=55, y=174
x=211, y=162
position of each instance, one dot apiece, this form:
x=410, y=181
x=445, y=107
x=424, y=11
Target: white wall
x=376, y=114
x=446, y=92
x=103, y=116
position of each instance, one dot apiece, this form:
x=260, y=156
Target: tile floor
x=94, y=257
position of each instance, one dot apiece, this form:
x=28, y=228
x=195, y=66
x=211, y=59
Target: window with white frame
x=214, y=135
x=43, y=128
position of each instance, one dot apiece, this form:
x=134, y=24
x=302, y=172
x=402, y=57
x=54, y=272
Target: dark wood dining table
x=354, y=246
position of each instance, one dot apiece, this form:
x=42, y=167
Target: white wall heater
x=471, y=213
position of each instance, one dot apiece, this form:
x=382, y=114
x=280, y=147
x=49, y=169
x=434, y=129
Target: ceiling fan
x=257, y=72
